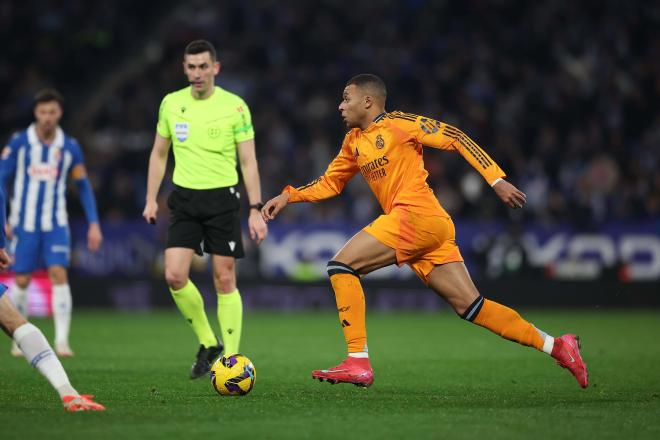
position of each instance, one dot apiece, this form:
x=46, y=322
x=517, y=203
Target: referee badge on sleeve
x=181, y=131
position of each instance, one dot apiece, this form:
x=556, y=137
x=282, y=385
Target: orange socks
x=505, y=322
x=350, y=305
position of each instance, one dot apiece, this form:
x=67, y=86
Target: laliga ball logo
x=233, y=375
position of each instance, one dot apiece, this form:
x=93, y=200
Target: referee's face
x=201, y=71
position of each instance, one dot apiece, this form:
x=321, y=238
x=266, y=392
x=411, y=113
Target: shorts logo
x=181, y=131
x=59, y=248
x=214, y=132
x=380, y=142
x=232, y=245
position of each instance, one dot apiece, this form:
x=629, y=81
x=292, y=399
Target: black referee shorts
x=206, y=219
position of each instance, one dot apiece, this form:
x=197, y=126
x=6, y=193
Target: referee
x=207, y=126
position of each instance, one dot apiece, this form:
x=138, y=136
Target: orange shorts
x=421, y=241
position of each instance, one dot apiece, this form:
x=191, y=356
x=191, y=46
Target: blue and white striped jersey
x=40, y=172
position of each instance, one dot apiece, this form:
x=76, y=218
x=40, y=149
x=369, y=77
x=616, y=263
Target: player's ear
x=368, y=101
x=216, y=67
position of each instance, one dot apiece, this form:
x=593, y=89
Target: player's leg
x=453, y=283
x=19, y=294
x=230, y=304
x=40, y=355
x=362, y=254
x=19, y=297
x=25, y=247
x=190, y=303
x=222, y=239
x=56, y=252
x=62, y=302
x=183, y=239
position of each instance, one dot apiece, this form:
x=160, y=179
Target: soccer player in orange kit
x=386, y=148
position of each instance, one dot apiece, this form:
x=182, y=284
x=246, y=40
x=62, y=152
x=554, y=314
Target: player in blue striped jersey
x=40, y=159
x=33, y=345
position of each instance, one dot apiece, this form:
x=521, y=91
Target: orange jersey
x=388, y=154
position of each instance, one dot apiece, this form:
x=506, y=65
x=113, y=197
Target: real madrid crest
x=380, y=143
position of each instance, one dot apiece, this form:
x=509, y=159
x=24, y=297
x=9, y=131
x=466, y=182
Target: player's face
x=352, y=106
x=201, y=71
x=48, y=115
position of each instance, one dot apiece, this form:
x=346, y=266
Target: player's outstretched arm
x=509, y=194
x=274, y=206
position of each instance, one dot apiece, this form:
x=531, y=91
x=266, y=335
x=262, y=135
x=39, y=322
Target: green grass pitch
x=436, y=377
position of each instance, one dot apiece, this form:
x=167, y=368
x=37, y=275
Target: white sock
x=548, y=341
x=62, y=305
x=359, y=354
x=20, y=299
x=41, y=356
x=548, y=344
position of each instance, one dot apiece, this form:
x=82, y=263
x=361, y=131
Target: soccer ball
x=233, y=375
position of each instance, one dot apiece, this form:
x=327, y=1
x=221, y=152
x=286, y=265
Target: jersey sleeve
x=77, y=157
x=342, y=168
x=443, y=136
x=8, y=159
x=163, y=127
x=243, y=130
x=3, y=218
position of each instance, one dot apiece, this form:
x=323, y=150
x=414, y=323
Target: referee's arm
x=157, y=166
x=250, y=171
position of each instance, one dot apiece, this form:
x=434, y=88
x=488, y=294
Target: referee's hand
x=258, y=228
x=150, y=212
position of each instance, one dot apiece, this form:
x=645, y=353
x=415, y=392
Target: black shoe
x=205, y=358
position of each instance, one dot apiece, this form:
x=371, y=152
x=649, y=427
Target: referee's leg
x=185, y=294
x=230, y=304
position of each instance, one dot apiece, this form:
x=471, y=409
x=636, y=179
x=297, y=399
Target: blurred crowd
x=565, y=96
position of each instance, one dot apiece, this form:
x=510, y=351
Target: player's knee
x=225, y=283
x=469, y=310
x=175, y=279
x=22, y=281
x=335, y=267
x=58, y=277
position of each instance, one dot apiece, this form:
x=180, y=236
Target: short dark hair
x=48, y=95
x=370, y=82
x=200, y=46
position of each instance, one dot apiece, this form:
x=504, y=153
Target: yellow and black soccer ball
x=233, y=375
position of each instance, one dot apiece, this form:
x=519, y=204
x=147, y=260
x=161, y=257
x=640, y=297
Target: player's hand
x=258, y=228
x=150, y=212
x=9, y=232
x=5, y=259
x=510, y=195
x=274, y=206
x=94, y=237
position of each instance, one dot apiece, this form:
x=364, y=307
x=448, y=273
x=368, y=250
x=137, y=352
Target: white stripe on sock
x=41, y=356
x=359, y=354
